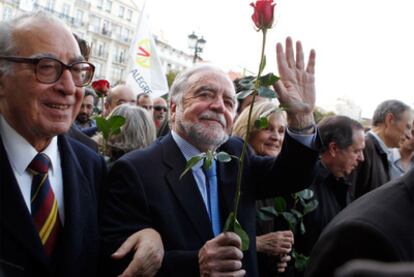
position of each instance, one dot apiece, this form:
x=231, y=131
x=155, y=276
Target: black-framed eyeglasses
x=49, y=70
x=160, y=108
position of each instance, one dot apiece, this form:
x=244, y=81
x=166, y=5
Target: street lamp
x=197, y=44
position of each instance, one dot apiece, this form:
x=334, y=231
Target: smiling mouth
x=58, y=106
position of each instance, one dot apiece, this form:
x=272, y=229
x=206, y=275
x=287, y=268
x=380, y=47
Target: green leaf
x=269, y=211
x=268, y=80
x=302, y=228
x=306, y=194
x=301, y=261
x=232, y=225
x=243, y=236
x=266, y=92
x=280, y=204
x=115, y=123
x=230, y=221
x=208, y=160
x=244, y=93
x=296, y=213
x=311, y=206
x=291, y=219
x=223, y=157
x=103, y=126
x=261, y=123
x=192, y=162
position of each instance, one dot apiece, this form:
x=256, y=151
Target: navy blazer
x=377, y=226
x=21, y=252
x=144, y=190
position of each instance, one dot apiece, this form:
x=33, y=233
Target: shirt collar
x=20, y=152
x=380, y=142
x=187, y=149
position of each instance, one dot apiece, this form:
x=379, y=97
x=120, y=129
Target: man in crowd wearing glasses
x=49, y=183
x=160, y=116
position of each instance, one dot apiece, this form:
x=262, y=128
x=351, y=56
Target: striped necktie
x=43, y=204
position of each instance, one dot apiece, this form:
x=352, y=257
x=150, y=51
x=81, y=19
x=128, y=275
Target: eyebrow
x=77, y=58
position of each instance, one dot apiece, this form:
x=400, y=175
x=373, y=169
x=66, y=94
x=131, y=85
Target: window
x=125, y=34
x=121, y=12
x=99, y=4
x=117, y=31
x=96, y=23
x=98, y=69
x=79, y=17
x=50, y=5
x=108, y=5
x=105, y=27
x=7, y=13
x=66, y=9
x=129, y=15
x=116, y=74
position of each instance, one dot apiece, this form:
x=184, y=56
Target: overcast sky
x=365, y=48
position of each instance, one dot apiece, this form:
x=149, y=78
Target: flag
x=146, y=74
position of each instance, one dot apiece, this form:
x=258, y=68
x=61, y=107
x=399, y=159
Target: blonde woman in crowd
x=271, y=244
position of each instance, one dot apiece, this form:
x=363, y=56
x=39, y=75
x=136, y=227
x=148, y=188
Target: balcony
x=82, y=4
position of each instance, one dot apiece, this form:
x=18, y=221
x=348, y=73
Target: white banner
x=146, y=74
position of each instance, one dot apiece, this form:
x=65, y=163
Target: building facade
x=109, y=26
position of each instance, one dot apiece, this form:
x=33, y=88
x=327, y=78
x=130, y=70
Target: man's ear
x=389, y=119
x=333, y=148
x=173, y=109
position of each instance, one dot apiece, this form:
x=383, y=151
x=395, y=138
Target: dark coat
x=145, y=191
x=333, y=195
x=373, y=171
x=21, y=252
x=377, y=226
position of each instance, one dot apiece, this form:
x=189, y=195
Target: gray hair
x=181, y=84
x=8, y=45
x=395, y=107
x=137, y=132
x=339, y=129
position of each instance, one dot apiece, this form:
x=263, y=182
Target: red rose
x=263, y=14
x=101, y=87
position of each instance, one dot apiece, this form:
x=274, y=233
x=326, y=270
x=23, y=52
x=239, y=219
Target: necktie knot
x=40, y=164
x=211, y=171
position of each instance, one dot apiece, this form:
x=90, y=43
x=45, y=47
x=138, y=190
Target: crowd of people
x=69, y=209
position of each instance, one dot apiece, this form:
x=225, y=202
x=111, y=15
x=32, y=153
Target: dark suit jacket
x=21, y=252
x=377, y=226
x=373, y=171
x=145, y=191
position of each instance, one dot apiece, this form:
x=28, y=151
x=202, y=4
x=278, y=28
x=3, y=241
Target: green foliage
x=110, y=126
x=171, y=77
x=303, y=204
x=261, y=123
x=232, y=225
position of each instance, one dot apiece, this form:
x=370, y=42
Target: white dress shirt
x=20, y=153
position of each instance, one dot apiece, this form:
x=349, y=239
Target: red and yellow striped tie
x=43, y=204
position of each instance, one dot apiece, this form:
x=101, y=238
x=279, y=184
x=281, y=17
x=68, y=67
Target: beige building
x=108, y=25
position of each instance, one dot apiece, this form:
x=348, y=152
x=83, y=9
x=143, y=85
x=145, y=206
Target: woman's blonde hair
x=260, y=109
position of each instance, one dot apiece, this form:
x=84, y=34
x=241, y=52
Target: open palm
x=296, y=87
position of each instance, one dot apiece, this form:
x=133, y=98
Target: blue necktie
x=212, y=198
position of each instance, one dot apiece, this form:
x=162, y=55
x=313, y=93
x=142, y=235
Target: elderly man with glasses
x=49, y=183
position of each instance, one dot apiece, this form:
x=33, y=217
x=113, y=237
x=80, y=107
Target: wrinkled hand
x=221, y=256
x=283, y=262
x=149, y=252
x=275, y=243
x=296, y=87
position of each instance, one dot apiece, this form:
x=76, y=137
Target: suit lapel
x=227, y=188
x=76, y=196
x=14, y=215
x=185, y=190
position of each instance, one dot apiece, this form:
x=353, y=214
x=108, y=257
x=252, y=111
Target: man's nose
x=66, y=83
